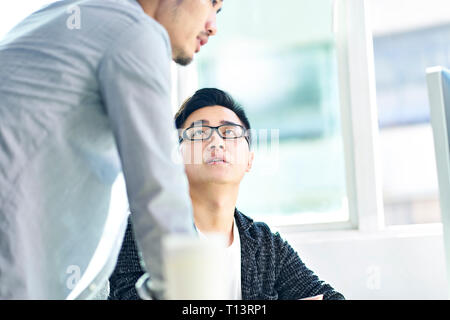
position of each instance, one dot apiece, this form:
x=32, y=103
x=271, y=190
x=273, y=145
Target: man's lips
x=201, y=41
x=214, y=161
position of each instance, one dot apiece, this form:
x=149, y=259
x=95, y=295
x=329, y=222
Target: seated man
x=215, y=144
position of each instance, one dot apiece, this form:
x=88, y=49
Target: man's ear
x=251, y=156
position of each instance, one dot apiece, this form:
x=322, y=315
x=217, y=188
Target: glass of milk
x=195, y=267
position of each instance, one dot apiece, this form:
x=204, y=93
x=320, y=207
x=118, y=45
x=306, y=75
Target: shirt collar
x=235, y=234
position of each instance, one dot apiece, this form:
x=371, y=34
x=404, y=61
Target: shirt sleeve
x=134, y=78
x=295, y=280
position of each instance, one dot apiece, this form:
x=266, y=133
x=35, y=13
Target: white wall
x=401, y=263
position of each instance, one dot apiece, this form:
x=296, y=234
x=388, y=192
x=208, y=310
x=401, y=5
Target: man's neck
x=214, y=207
x=149, y=6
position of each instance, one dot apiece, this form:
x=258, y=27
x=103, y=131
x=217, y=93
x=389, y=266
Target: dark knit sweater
x=270, y=267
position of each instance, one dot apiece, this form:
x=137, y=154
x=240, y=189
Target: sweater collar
x=244, y=223
x=249, y=247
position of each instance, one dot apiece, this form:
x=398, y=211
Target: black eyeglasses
x=225, y=131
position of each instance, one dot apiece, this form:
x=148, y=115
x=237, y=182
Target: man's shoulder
x=102, y=21
x=116, y=16
x=115, y=7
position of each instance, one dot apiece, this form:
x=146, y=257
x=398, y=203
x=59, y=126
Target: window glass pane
x=409, y=36
x=278, y=60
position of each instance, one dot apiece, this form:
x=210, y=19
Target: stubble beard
x=182, y=59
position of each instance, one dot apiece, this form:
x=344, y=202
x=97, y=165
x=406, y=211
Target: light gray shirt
x=85, y=93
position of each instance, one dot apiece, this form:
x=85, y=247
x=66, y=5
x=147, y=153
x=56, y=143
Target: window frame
x=356, y=69
x=360, y=133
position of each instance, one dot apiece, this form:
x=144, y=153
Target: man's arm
x=134, y=79
x=295, y=280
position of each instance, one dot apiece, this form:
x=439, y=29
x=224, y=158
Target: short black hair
x=208, y=97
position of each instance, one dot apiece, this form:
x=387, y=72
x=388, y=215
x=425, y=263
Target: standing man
x=84, y=94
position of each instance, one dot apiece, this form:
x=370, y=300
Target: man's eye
x=198, y=132
x=229, y=133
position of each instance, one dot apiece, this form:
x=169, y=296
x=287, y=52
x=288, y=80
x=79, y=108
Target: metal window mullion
x=359, y=114
x=186, y=82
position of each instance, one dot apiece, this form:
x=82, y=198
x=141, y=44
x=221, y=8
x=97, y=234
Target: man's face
x=215, y=160
x=189, y=24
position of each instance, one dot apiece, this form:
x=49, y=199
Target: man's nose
x=211, y=24
x=216, y=141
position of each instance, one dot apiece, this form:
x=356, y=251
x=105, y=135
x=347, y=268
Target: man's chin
x=183, y=59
